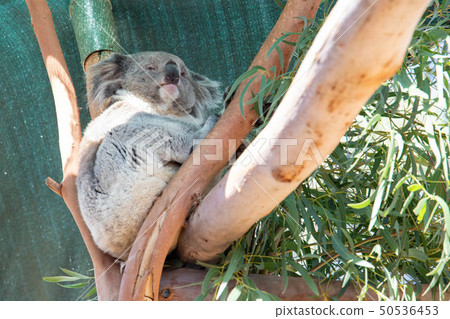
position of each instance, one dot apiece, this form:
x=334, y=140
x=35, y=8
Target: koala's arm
x=207, y=127
x=177, y=145
x=142, y=145
x=200, y=134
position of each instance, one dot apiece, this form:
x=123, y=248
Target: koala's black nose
x=172, y=73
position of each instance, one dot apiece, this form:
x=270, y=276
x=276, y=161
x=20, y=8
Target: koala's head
x=159, y=78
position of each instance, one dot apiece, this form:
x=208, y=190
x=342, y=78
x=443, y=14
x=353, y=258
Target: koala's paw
x=212, y=120
x=210, y=123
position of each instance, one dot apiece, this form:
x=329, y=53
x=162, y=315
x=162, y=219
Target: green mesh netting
x=218, y=38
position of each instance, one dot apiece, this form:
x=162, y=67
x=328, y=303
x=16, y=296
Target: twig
x=53, y=185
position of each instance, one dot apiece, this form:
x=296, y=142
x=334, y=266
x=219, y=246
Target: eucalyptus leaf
x=60, y=279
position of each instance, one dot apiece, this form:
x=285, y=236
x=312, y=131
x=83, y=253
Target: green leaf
x=247, y=74
x=263, y=296
x=284, y=86
x=360, y=205
x=212, y=272
x=417, y=254
x=421, y=208
x=403, y=78
x=391, y=242
x=241, y=99
x=60, y=279
x=236, y=257
x=372, y=122
x=261, y=95
x=292, y=215
x=376, y=250
x=275, y=45
x=364, y=263
x=433, y=144
x=377, y=204
x=75, y=274
x=343, y=252
x=280, y=56
x=305, y=275
x=399, y=184
x=437, y=34
x=407, y=202
x=92, y=292
x=415, y=187
x=446, y=211
x=235, y=293
x=77, y=285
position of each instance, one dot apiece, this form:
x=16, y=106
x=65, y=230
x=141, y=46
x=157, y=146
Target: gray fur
x=131, y=151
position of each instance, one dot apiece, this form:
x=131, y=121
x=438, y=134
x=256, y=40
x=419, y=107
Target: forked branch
x=167, y=216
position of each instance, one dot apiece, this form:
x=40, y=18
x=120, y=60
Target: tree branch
x=186, y=284
x=361, y=44
x=163, y=224
x=106, y=272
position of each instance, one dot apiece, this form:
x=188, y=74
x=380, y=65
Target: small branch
x=53, y=185
x=141, y=277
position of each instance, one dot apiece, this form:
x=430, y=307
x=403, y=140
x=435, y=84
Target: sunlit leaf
x=60, y=279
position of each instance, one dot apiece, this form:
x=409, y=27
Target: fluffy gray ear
x=208, y=92
x=104, y=79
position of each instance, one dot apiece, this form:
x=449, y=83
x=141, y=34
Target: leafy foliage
x=375, y=214
x=85, y=282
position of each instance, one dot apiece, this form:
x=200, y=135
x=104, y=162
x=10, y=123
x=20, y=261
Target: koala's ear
x=208, y=92
x=104, y=79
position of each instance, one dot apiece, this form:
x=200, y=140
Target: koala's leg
x=125, y=189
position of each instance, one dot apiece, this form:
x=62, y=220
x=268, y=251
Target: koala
x=154, y=108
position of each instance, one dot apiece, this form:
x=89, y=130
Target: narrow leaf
x=77, y=285
x=237, y=255
x=59, y=279
x=305, y=275
x=421, y=208
x=235, y=293
x=360, y=205
x=74, y=274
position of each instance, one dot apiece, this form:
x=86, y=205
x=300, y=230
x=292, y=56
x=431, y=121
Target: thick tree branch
x=180, y=284
x=361, y=44
x=186, y=284
x=106, y=272
x=160, y=230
